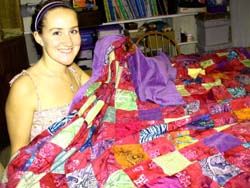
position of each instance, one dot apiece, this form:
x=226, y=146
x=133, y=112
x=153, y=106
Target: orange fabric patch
x=243, y=114
x=129, y=155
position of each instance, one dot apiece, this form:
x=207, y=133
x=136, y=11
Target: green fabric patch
x=110, y=115
x=119, y=179
x=92, y=88
x=246, y=62
x=125, y=100
x=67, y=134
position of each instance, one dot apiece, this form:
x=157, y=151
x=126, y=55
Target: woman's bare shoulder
x=22, y=87
x=84, y=77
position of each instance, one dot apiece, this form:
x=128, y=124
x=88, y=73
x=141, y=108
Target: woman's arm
x=19, y=109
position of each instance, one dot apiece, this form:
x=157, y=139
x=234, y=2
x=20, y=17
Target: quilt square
x=172, y=163
x=158, y=147
x=144, y=172
x=125, y=100
x=150, y=114
x=129, y=155
x=218, y=169
x=197, y=151
x=152, y=132
x=119, y=179
x=82, y=178
x=110, y=115
x=221, y=141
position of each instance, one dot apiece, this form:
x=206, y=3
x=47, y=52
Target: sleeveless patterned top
x=43, y=118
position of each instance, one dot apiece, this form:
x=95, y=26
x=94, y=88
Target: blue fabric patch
x=218, y=169
x=152, y=132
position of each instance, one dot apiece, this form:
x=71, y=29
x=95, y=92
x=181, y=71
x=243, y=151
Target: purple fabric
x=245, y=52
x=165, y=182
x=98, y=60
x=152, y=114
x=222, y=64
x=222, y=142
x=153, y=78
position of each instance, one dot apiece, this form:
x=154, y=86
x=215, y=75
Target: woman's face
x=60, y=38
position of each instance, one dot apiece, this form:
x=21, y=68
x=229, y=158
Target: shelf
x=187, y=43
x=150, y=18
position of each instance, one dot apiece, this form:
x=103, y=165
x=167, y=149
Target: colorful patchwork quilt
x=149, y=122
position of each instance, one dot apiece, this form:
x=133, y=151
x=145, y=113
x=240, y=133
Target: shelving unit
x=183, y=21
x=150, y=18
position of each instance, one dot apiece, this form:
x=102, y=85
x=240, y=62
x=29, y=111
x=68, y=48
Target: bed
x=147, y=122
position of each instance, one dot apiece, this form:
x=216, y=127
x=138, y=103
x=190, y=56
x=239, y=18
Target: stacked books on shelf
x=116, y=10
x=84, y=5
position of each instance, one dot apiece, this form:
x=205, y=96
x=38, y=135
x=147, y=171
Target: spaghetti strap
x=24, y=72
x=75, y=75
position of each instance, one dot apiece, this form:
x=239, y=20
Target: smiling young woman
x=42, y=94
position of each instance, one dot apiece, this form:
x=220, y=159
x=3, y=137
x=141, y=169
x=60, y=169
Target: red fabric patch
x=240, y=103
x=230, y=83
x=54, y=180
x=240, y=181
x=195, y=89
x=220, y=93
x=192, y=177
x=173, y=111
x=144, y=172
x=127, y=116
x=241, y=131
x=198, y=151
x=239, y=157
x=158, y=147
x=223, y=119
x=234, y=64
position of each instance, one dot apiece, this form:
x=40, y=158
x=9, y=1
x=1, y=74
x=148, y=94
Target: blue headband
x=45, y=10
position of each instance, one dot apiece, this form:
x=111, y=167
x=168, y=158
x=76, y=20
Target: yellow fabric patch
x=84, y=107
x=111, y=58
x=207, y=63
x=181, y=139
x=184, y=118
x=94, y=111
x=181, y=89
x=172, y=163
x=212, y=84
x=129, y=155
x=221, y=128
x=222, y=53
x=194, y=72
